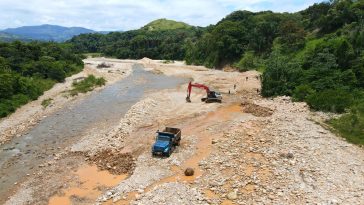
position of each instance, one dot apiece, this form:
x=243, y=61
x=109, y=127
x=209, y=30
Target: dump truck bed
x=175, y=133
x=172, y=130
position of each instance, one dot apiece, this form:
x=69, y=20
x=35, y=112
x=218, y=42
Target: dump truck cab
x=166, y=141
x=162, y=145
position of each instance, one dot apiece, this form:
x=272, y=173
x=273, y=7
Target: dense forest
x=136, y=44
x=29, y=69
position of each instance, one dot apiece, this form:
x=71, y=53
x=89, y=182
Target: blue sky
x=109, y=15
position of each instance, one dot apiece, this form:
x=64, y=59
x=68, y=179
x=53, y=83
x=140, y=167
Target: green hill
x=6, y=37
x=165, y=24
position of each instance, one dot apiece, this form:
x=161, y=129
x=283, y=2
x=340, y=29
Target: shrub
x=103, y=65
x=57, y=73
x=168, y=61
x=351, y=125
x=87, y=84
x=10, y=105
x=247, y=62
x=46, y=102
x=301, y=92
x=330, y=100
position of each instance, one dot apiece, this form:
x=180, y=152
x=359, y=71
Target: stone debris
x=115, y=162
x=255, y=109
x=232, y=195
x=114, y=139
x=173, y=194
x=284, y=159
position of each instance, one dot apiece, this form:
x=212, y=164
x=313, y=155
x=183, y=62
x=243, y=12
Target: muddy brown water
x=91, y=178
x=22, y=156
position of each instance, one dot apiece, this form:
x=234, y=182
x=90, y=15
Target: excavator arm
x=196, y=85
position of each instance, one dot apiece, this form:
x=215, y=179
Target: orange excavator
x=212, y=96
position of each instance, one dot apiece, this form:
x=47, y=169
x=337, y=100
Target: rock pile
x=133, y=117
x=256, y=110
x=115, y=162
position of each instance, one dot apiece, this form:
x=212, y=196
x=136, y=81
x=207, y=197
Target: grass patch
x=104, y=65
x=87, y=84
x=168, y=61
x=351, y=125
x=93, y=55
x=47, y=102
x=261, y=69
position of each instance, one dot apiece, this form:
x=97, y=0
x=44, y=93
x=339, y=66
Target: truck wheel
x=169, y=153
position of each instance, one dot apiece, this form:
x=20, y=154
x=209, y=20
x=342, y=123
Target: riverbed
x=20, y=157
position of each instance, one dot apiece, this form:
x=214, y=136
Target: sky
x=123, y=15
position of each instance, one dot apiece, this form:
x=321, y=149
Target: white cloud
x=130, y=14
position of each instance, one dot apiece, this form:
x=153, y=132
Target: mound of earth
x=256, y=110
x=115, y=162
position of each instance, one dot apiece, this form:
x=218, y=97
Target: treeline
x=29, y=69
x=136, y=44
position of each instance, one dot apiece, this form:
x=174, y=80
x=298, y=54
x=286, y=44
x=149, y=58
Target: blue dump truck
x=166, y=141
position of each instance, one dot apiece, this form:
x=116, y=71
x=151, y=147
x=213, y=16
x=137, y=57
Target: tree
x=302, y=92
x=7, y=82
x=281, y=76
x=28, y=69
x=247, y=62
x=292, y=35
x=331, y=100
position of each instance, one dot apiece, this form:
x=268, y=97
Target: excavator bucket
x=188, y=99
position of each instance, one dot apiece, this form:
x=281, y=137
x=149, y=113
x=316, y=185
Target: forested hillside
x=136, y=44
x=6, y=37
x=29, y=69
x=165, y=24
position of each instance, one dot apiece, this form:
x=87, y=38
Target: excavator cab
x=212, y=96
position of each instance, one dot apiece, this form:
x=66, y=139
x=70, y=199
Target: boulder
x=189, y=172
x=232, y=195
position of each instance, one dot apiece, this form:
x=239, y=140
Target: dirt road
x=247, y=150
